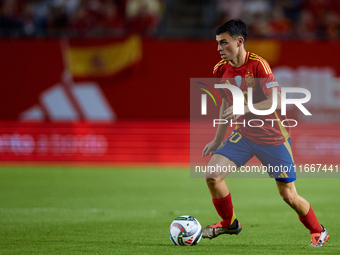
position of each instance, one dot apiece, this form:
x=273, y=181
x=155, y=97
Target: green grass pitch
x=102, y=210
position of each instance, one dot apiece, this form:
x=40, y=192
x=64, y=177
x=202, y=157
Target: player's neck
x=239, y=59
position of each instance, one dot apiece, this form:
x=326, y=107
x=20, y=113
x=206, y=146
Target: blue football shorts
x=277, y=160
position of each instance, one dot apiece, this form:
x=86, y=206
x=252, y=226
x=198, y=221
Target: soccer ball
x=185, y=230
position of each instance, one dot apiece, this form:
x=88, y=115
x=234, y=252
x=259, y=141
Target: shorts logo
x=238, y=80
x=283, y=175
x=250, y=81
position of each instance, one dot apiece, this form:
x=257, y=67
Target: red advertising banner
x=121, y=142
x=155, y=142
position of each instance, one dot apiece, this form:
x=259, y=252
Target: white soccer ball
x=185, y=230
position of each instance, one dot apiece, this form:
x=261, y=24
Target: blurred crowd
x=281, y=19
x=78, y=17
x=306, y=19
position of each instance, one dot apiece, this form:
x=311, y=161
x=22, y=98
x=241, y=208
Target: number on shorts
x=235, y=137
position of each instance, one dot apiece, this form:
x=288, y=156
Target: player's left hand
x=228, y=114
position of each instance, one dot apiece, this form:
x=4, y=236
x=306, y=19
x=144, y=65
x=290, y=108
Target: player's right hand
x=210, y=148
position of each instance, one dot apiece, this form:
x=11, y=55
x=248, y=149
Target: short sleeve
x=217, y=71
x=267, y=79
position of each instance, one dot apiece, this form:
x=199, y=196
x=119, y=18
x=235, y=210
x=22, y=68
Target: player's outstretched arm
x=211, y=147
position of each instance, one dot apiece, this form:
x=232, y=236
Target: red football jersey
x=255, y=73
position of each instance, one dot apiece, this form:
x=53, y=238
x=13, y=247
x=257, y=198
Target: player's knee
x=212, y=182
x=212, y=175
x=288, y=197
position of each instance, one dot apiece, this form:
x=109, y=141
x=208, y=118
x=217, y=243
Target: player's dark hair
x=234, y=28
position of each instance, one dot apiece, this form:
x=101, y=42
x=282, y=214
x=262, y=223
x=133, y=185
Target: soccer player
x=270, y=143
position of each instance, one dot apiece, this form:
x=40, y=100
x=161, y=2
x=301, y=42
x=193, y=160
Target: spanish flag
x=96, y=58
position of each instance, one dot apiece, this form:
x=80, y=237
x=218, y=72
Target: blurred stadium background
x=106, y=82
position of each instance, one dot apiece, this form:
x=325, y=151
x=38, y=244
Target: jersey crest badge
x=238, y=80
x=250, y=80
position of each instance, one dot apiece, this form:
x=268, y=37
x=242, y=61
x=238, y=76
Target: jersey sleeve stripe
x=261, y=58
x=218, y=64
x=263, y=62
x=266, y=63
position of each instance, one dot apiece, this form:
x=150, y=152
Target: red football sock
x=224, y=208
x=311, y=222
